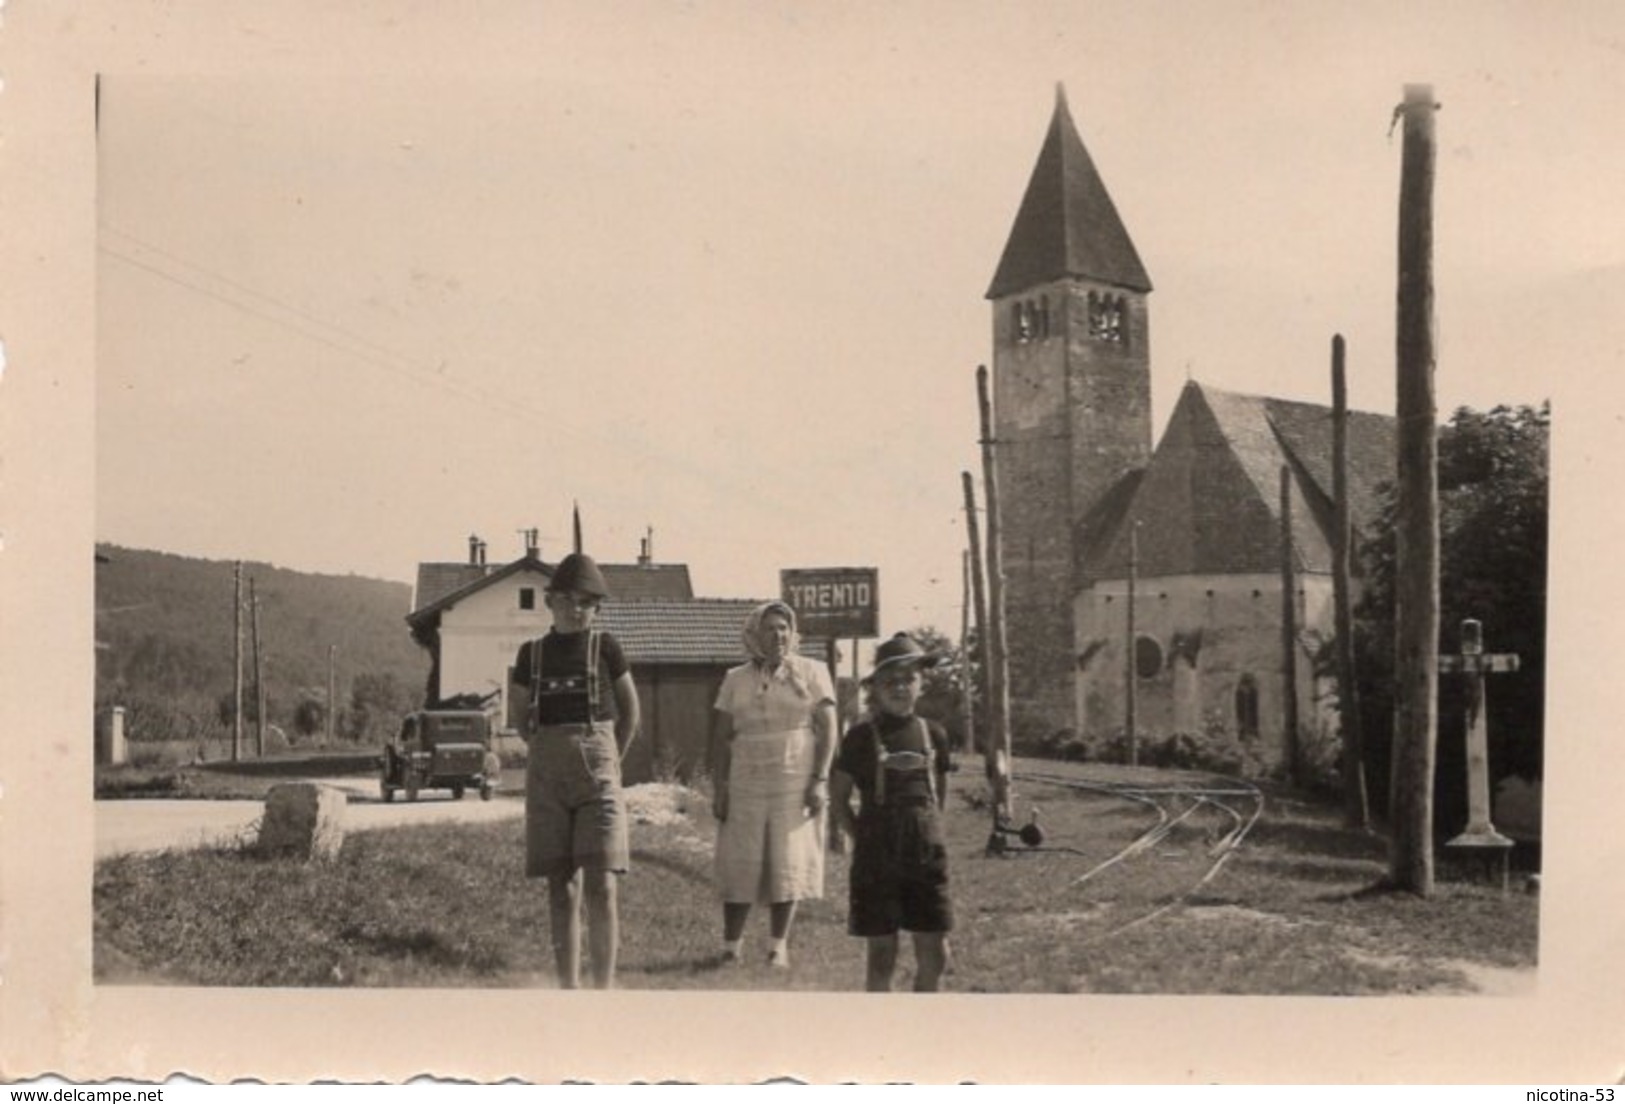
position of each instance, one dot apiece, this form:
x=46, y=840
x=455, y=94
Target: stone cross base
x=1488, y=850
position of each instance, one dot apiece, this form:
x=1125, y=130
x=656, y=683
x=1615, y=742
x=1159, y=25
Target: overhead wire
x=309, y=326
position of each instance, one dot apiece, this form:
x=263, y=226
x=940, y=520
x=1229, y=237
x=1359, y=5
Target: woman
x=772, y=741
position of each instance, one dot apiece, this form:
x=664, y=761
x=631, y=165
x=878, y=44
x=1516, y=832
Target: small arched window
x=1147, y=657
x=1247, y=707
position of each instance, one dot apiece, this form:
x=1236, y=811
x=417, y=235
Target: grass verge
x=1290, y=912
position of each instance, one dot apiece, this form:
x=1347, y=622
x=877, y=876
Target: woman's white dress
x=769, y=849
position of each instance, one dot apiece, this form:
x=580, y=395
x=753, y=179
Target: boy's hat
x=902, y=651
x=577, y=572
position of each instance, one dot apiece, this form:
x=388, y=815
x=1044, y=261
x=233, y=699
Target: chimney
x=646, y=557
x=482, y=553
x=473, y=549
x=533, y=549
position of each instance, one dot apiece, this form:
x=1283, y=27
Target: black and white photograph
x=1078, y=527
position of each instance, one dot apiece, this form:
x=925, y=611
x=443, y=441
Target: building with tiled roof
x=1203, y=523
x=472, y=617
x=1084, y=493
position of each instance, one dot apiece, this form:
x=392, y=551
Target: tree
x=1493, y=503
x=309, y=716
x=377, y=702
x=943, y=699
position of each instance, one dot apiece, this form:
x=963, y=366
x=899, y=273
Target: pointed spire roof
x=1067, y=224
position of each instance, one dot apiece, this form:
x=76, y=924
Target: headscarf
x=753, y=648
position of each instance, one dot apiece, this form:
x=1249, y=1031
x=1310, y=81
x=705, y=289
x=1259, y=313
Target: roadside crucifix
x=1480, y=835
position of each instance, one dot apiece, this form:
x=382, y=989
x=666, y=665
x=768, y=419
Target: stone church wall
x=1209, y=636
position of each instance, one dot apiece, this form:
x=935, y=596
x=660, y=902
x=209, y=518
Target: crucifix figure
x=1476, y=666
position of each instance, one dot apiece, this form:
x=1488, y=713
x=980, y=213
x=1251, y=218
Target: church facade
x=1184, y=541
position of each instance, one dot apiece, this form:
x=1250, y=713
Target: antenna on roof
x=575, y=509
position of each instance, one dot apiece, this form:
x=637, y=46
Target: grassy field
x=1292, y=910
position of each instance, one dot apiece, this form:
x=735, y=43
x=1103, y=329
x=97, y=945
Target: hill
x=164, y=627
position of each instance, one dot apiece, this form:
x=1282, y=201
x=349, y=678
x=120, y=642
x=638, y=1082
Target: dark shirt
x=858, y=759
x=561, y=696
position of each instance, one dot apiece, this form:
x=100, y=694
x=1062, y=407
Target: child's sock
x=778, y=952
x=732, y=949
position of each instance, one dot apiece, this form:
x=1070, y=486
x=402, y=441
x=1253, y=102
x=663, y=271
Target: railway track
x=1235, y=803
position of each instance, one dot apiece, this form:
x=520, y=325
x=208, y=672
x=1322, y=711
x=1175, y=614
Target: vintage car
x=440, y=749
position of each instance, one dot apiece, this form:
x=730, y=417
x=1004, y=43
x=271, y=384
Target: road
x=137, y=825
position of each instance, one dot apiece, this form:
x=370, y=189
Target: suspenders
x=593, y=692
x=881, y=755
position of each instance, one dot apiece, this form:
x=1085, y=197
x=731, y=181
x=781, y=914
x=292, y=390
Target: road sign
x=833, y=603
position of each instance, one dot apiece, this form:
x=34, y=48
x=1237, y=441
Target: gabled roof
x=704, y=631
x=648, y=580
x=444, y=584
x=455, y=586
x=1209, y=501
x=1067, y=224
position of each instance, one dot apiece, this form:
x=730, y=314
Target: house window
x=1247, y=707
x=1147, y=657
x=527, y=598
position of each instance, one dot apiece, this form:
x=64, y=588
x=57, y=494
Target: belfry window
x=1029, y=319
x=1106, y=317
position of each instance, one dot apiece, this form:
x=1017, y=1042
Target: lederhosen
x=900, y=854
x=574, y=812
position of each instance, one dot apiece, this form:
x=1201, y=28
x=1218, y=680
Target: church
x=1150, y=579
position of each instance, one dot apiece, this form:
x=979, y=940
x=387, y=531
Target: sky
x=718, y=271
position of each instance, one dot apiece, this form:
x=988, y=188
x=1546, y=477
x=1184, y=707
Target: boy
x=583, y=712
x=899, y=765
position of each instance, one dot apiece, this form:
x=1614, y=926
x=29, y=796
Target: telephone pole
x=1131, y=697
x=984, y=666
x=1356, y=803
x=1289, y=636
x=332, y=701
x=259, y=672
x=1416, y=569
x=237, y=665
x=998, y=660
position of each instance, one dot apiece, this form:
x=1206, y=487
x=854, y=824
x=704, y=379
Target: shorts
x=899, y=873
x=575, y=816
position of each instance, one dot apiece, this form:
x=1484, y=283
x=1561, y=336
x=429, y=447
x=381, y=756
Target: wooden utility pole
x=259, y=672
x=984, y=665
x=1356, y=803
x=1289, y=636
x=237, y=665
x=967, y=704
x=332, y=690
x=1131, y=695
x=998, y=661
x=1416, y=570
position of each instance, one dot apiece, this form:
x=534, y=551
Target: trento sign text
x=833, y=603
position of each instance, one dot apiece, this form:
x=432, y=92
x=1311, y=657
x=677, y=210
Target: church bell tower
x=1071, y=406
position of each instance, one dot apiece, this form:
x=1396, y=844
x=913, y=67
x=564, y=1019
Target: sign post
x=830, y=604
